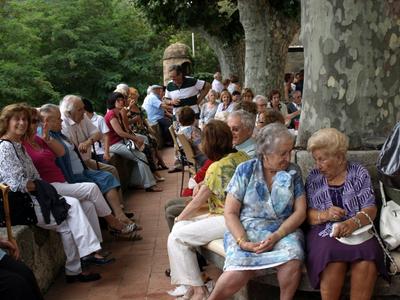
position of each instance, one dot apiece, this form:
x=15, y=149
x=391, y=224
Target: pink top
x=113, y=136
x=44, y=161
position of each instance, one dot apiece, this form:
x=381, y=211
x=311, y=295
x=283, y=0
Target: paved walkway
x=138, y=272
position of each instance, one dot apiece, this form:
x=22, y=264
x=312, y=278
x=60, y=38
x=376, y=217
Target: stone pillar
x=176, y=54
x=352, y=68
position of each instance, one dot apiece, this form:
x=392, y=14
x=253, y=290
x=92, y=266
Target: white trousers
x=87, y=192
x=141, y=173
x=77, y=235
x=182, y=242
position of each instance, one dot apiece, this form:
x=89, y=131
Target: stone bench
x=124, y=167
x=214, y=253
x=41, y=250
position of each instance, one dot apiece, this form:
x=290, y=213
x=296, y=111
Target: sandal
x=159, y=179
x=188, y=295
x=131, y=236
x=153, y=189
x=127, y=229
x=131, y=222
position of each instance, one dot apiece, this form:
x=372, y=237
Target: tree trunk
x=230, y=54
x=268, y=33
x=352, y=68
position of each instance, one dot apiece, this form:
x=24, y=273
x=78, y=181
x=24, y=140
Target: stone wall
x=175, y=54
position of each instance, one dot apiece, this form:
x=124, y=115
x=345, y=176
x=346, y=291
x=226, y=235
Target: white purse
x=389, y=221
x=358, y=236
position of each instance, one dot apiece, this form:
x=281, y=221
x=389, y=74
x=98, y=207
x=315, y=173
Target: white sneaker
x=180, y=290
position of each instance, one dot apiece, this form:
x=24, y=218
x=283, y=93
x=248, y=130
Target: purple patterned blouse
x=357, y=192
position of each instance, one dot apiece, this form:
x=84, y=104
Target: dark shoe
x=153, y=189
x=174, y=170
x=92, y=260
x=82, y=277
x=168, y=272
x=130, y=215
x=104, y=253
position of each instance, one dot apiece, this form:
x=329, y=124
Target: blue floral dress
x=262, y=212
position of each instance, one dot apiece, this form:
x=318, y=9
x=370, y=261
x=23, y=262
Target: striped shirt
x=186, y=93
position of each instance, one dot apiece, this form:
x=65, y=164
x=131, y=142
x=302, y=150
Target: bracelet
x=319, y=217
x=357, y=221
x=240, y=240
x=176, y=220
x=281, y=232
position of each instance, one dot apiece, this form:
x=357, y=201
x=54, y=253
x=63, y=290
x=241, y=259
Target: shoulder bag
x=389, y=221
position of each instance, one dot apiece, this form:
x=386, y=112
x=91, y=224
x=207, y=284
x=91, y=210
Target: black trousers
x=164, y=124
x=17, y=281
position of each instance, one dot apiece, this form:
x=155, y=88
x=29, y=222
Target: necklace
x=10, y=138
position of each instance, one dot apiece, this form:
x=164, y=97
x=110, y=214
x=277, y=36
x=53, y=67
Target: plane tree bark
x=352, y=68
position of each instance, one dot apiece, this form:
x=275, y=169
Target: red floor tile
x=138, y=272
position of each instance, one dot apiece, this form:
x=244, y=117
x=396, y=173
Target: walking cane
x=4, y=190
x=95, y=156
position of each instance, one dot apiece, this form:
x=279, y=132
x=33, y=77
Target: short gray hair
x=247, y=119
x=122, y=88
x=67, y=103
x=270, y=136
x=48, y=108
x=260, y=98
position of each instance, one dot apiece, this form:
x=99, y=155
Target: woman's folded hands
x=345, y=228
x=268, y=243
x=262, y=246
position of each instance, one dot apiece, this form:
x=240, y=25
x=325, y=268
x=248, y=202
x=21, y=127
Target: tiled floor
x=138, y=272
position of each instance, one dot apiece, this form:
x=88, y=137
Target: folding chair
x=189, y=153
x=180, y=155
x=173, y=135
x=4, y=191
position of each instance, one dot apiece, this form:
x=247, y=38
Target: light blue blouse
x=262, y=213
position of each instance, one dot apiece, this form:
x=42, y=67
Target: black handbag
x=21, y=209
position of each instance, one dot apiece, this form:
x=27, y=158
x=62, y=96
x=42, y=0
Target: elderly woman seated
x=340, y=193
x=190, y=231
x=141, y=173
x=264, y=208
x=209, y=108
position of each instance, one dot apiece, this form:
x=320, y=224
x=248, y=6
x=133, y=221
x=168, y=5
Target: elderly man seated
x=242, y=124
x=80, y=130
x=74, y=170
x=154, y=107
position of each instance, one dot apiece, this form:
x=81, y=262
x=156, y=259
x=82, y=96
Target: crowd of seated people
x=246, y=191
x=55, y=160
x=267, y=202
